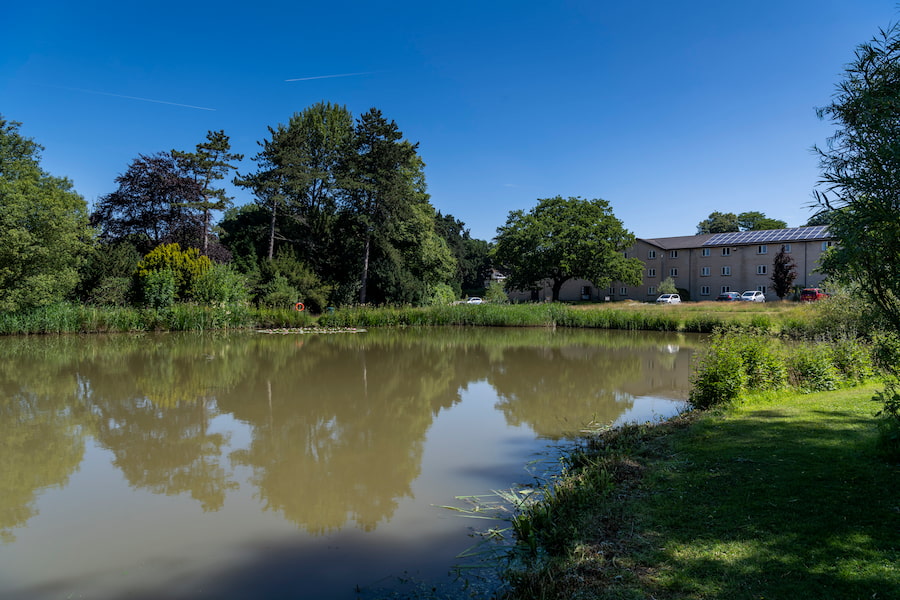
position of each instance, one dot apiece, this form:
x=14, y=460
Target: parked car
x=474, y=300
x=812, y=294
x=728, y=297
x=753, y=296
x=669, y=299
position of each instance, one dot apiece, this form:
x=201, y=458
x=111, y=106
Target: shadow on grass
x=765, y=506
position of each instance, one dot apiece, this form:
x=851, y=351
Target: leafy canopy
x=719, y=222
x=562, y=239
x=860, y=179
x=44, y=230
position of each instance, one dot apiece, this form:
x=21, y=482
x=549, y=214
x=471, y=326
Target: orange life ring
x=299, y=306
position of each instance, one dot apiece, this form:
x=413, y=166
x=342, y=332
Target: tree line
x=340, y=215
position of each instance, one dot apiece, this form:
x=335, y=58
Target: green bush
x=811, y=368
x=763, y=361
x=440, y=294
x=889, y=434
x=496, y=293
x=158, y=288
x=286, y=280
x=719, y=376
x=220, y=284
x=111, y=291
x=277, y=293
x=852, y=359
x=184, y=265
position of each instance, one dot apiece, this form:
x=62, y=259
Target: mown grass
x=781, y=496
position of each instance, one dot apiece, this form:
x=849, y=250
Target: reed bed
x=825, y=320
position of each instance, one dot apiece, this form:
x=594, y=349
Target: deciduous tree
x=156, y=203
x=719, y=222
x=861, y=173
x=44, y=231
x=562, y=239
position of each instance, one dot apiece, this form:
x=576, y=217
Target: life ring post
x=299, y=307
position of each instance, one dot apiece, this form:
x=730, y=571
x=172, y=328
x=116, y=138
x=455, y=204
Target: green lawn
x=780, y=498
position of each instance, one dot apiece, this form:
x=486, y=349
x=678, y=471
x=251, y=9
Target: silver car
x=669, y=299
x=753, y=296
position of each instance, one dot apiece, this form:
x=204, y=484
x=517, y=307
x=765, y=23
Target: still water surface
x=288, y=466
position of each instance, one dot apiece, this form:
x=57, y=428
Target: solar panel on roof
x=768, y=235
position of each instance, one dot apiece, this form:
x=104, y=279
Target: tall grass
x=76, y=318
x=737, y=362
x=823, y=322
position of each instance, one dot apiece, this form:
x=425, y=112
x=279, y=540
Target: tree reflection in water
x=337, y=424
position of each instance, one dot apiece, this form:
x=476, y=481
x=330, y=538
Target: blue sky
x=668, y=110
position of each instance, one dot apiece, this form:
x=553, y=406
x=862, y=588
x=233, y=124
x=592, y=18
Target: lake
x=236, y=465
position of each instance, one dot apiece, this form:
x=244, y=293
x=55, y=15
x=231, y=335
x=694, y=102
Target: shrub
x=667, y=286
x=764, y=363
x=886, y=351
x=277, y=292
x=220, y=284
x=440, y=294
x=811, y=368
x=158, y=288
x=496, y=293
x=111, y=291
x=185, y=266
x=889, y=434
x=286, y=280
x=719, y=377
x=852, y=359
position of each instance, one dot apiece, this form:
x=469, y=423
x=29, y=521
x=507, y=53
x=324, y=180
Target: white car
x=669, y=299
x=753, y=296
x=474, y=300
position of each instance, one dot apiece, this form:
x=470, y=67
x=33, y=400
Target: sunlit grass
x=781, y=496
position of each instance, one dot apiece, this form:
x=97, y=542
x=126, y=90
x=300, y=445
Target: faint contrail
x=132, y=98
x=329, y=76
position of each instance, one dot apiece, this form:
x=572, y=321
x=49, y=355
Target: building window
x=673, y=254
x=826, y=246
x=726, y=271
x=726, y=251
x=762, y=249
x=585, y=292
x=651, y=254
x=612, y=290
x=760, y=269
x=651, y=272
x=623, y=291
x=705, y=252
x=651, y=291
x=704, y=290
x=673, y=272
x=761, y=288
x=704, y=271
x=726, y=288
x=786, y=248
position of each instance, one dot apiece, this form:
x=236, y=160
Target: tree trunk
x=272, y=230
x=365, y=270
x=205, y=241
x=557, y=286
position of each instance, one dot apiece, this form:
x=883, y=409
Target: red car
x=812, y=294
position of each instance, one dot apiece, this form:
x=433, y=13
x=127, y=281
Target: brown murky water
x=288, y=466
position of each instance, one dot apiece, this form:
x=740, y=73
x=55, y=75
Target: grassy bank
x=782, y=496
x=791, y=319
